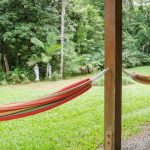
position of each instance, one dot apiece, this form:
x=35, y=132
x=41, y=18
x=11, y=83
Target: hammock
x=138, y=77
x=28, y=108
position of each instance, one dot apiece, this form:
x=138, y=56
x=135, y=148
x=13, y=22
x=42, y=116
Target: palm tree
x=50, y=48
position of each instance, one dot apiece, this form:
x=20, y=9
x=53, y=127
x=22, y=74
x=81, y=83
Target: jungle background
x=83, y=41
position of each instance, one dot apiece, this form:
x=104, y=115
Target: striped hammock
x=138, y=77
x=28, y=108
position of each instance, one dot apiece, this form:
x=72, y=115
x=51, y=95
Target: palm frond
x=51, y=38
x=45, y=58
x=37, y=42
x=51, y=50
x=34, y=59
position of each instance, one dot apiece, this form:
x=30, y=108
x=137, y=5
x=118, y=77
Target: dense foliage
x=22, y=20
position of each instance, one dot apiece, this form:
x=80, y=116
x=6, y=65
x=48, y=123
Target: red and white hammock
x=138, y=77
x=28, y=108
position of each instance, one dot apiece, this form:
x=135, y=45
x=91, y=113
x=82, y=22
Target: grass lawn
x=77, y=125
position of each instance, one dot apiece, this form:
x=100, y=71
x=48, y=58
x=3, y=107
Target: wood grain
x=113, y=61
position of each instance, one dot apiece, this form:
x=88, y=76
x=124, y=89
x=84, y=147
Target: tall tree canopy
x=83, y=40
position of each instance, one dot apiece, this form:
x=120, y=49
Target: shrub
x=131, y=55
x=3, y=82
x=90, y=63
x=3, y=77
x=55, y=76
x=16, y=76
x=71, y=63
x=19, y=76
x=145, y=59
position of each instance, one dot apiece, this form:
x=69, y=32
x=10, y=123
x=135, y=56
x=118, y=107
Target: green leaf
x=37, y=42
x=51, y=38
x=34, y=60
x=45, y=58
x=51, y=50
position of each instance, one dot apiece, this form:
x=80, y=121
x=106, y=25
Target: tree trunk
x=1, y=61
x=131, y=5
x=17, y=60
x=141, y=3
x=64, y=2
x=6, y=62
x=146, y=4
x=46, y=75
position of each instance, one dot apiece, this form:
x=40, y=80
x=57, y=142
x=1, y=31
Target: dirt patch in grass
x=140, y=141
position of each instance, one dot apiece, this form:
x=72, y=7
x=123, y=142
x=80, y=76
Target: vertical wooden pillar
x=113, y=81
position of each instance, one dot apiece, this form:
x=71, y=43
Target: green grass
x=142, y=70
x=77, y=125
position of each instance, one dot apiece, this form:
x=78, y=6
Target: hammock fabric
x=141, y=78
x=23, y=109
x=138, y=77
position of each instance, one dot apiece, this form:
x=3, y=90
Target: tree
x=80, y=24
x=63, y=12
x=20, y=21
x=50, y=47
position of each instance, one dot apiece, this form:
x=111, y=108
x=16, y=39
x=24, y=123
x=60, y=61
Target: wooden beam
x=113, y=79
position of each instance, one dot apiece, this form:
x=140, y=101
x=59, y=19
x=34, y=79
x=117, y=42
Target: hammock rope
x=35, y=106
x=138, y=77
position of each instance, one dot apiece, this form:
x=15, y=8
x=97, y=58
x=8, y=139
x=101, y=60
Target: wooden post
x=113, y=79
